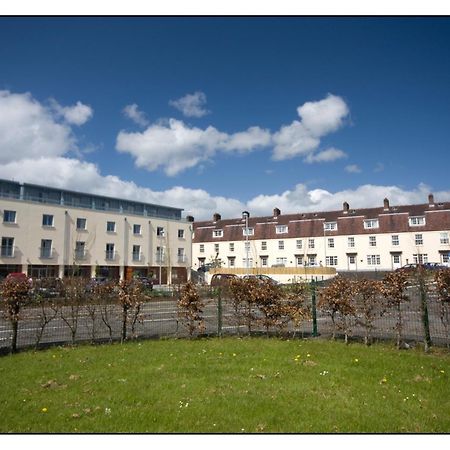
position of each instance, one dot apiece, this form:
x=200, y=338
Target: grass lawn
x=250, y=385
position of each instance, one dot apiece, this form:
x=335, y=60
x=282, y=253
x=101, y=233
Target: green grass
x=225, y=385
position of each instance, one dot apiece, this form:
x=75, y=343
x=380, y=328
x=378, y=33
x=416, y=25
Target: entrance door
x=351, y=261
x=396, y=261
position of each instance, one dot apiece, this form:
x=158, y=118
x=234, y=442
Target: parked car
x=19, y=276
x=426, y=266
x=222, y=279
x=146, y=282
x=262, y=278
x=48, y=287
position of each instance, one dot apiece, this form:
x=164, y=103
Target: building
x=368, y=239
x=55, y=232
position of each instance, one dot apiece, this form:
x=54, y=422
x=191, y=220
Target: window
x=351, y=259
x=136, y=254
x=109, y=253
x=111, y=227
x=80, y=249
x=181, y=256
x=444, y=238
x=351, y=241
x=416, y=221
x=7, y=247
x=264, y=245
x=247, y=262
x=137, y=228
x=373, y=260
x=246, y=246
x=248, y=231
x=311, y=243
x=418, y=239
x=217, y=233
x=331, y=261
x=81, y=223
x=299, y=244
x=46, y=248
x=216, y=248
x=280, y=245
x=264, y=261
x=231, y=261
x=371, y=223
x=420, y=258
x=372, y=241
x=47, y=220
x=312, y=260
x=9, y=216
x=160, y=231
x=281, y=229
x=160, y=255
x=231, y=246
x=281, y=261
x=396, y=259
x=180, y=234
x=202, y=248
x=330, y=242
x=395, y=239
x=445, y=257
x=330, y=226
x=299, y=260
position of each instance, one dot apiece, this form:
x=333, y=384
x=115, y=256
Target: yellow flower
x=356, y=360
x=44, y=410
x=442, y=371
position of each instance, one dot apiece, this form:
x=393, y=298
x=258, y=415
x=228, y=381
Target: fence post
x=424, y=308
x=219, y=312
x=313, y=307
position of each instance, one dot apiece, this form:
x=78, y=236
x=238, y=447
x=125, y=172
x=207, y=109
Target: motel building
x=292, y=247
x=48, y=232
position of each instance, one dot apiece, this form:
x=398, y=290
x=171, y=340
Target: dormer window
x=371, y=223
x=248, y=231
x=281, y=229
x=417, y=221
x=217, y=233
x=330, y=226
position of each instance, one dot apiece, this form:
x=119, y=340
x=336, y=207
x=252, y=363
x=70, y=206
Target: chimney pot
x=431, y=200
x=190, y=218
x=386, y=204
x=345, y=207
x=276, y=212
x=217, y=217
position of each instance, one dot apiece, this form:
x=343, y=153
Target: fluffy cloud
x=133, y=113
x=29, y=129
x=78, y=114
x=177, y=147
x=191, y=105
x=302, y=137
x=352, y=168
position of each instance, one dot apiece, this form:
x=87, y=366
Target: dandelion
x=308, y=355
x=442, y=371
x=107, y=411
x=383, y=380
x=356, y=360
x=234, y=354
x=44, y=410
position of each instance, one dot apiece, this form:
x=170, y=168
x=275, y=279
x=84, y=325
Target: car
x=19, y=276
x=222, y=279
x=261, y=278
x=146, y=282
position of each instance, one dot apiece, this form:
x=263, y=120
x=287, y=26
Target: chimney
x=216, y=217
x=345, y=207
x=190, y=218
x=431, y=201
x=276, y=212
x=386, y=204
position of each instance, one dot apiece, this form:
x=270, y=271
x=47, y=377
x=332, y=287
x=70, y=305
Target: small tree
x=368, y=305
x=101, y=295
x=442, y=278
x=74, y=297
x=337, y=300
x=129, y=294
x=393, y=289
x=294, y=305
x=242, y=301
x=15, y=294
x=190, y=308
x=47, y=311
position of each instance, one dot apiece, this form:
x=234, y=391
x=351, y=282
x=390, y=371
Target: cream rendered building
x=358, y=240
x=53, y=232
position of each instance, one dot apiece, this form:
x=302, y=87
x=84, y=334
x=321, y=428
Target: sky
x=226, y=114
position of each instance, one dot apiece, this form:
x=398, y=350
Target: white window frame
x=395, y=239
x=44, y=220
x=216, y=248
x=160, y=232
x=281, y=260
x=231, y=247
x=7, y=249
x=136, y=252
x=201, y=248
x=81, y=223
x=330, y=226
x=311, y=243
x=370, y=224
x=217, y=233
x=331, y=261
x=250, y=231
x=373, y=260
x=417, y=221
x=264, y=261
x=330, y=242
x=418, y=239
x=444, y=238
x=372, y=241
x=247, y=245
x=351, y=242
x=6, y=215
x=137, y=229
x=180, y=233
x=280, y=245
x=299, y=244
x=108, y=226
x=263, y=245
x=281, y=229
x=420, y=258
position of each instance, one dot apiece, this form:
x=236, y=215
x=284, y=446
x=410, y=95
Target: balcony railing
x=137, y=256
x=45, y=253
x=80, y=255
x=110, y=255
x=7, y=251
x=181, y=259
x=160, y=258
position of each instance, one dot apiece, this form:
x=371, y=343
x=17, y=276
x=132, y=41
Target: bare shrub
x=190, y=309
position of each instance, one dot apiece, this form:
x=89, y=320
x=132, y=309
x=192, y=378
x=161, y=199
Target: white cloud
x=328, y=155
x=191, y=105
x=352, y=168
x=317, y=120
x=70, y=173
x=28, y=129
x=78, y=114
x=133, y=113
x=176, y=147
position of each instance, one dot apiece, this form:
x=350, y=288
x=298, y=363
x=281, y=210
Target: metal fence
x=54, y=323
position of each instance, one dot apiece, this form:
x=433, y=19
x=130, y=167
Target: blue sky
x=219, y=114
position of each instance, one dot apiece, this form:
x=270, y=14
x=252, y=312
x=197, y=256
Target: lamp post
x=246, y=215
